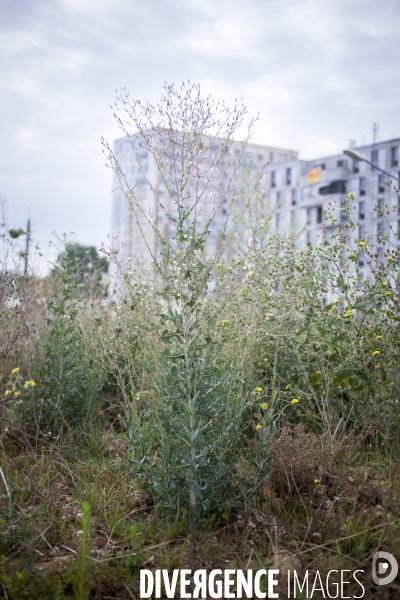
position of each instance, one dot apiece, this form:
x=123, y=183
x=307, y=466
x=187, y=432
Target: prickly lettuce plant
x=67, y=379
x=185, y=428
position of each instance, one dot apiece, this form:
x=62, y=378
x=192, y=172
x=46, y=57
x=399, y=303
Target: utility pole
x=28, y=241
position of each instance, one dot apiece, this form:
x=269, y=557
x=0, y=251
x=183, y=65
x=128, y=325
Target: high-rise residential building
x=300, y=190
x=306, y=189
x=144, y=192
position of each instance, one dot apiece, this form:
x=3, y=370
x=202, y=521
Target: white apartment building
x=300, y=190
x=305, y=189
x=134, y=231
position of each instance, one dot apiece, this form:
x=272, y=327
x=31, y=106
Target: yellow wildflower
x=362, y=243
x=238, y=262
x=376, y=352
x=16, y=394
x=259, y=426
x=265, y=359
x=295, y=400
x=287, y=387
x=259, y=389
x=264, y=405
x=7, y=392
x=250, y=273
x=378, y=337
x=29, y=383
x=388, y=293
x=318, y=372
x=351, y=196
x=348, y=314
x=316, y=480
x=384, y=283
x=16, y=370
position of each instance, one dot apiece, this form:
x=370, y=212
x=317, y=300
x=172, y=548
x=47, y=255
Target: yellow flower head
x=351, y=195
x=376, y=352
x=378, y=337
x=264, y=405
x=29, y=383
x=238, y=262
x=384, y=283
x=316, y=480
x=16, y=370
x=287, y=387
x=295, y=400
x=362, y=243
x=265, y=359
x=259, y=389
x=388, y=293
x=16, y=394
x=7, y=392
x=259, y=426
x=318, y=372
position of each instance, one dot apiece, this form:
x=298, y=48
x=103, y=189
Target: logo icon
x=384, y=568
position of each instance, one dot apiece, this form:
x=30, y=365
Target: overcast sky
x=319, y=72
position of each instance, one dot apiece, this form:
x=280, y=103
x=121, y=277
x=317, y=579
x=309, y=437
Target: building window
x=273, y=178
x=319, y=214
x=380, y=227
x=356, y=166
x=381, y=183
x=394, y=156
x=294, y=197
x=363, y=186
x=288, y=176
x=340, y=163
x=271, y=156
x=278, y=197
x=361, y=232
x=374, y=157
x=309, y=238
x=278, y=219
x=293, y=218
x=336, y=187
x=308, y=216
x=361, y=210
x=380, y=208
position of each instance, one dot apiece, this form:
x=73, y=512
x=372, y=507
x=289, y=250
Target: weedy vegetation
x=232, y=408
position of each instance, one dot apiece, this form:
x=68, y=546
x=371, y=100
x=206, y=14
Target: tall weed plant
x=185, y=426
x=67, y=378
